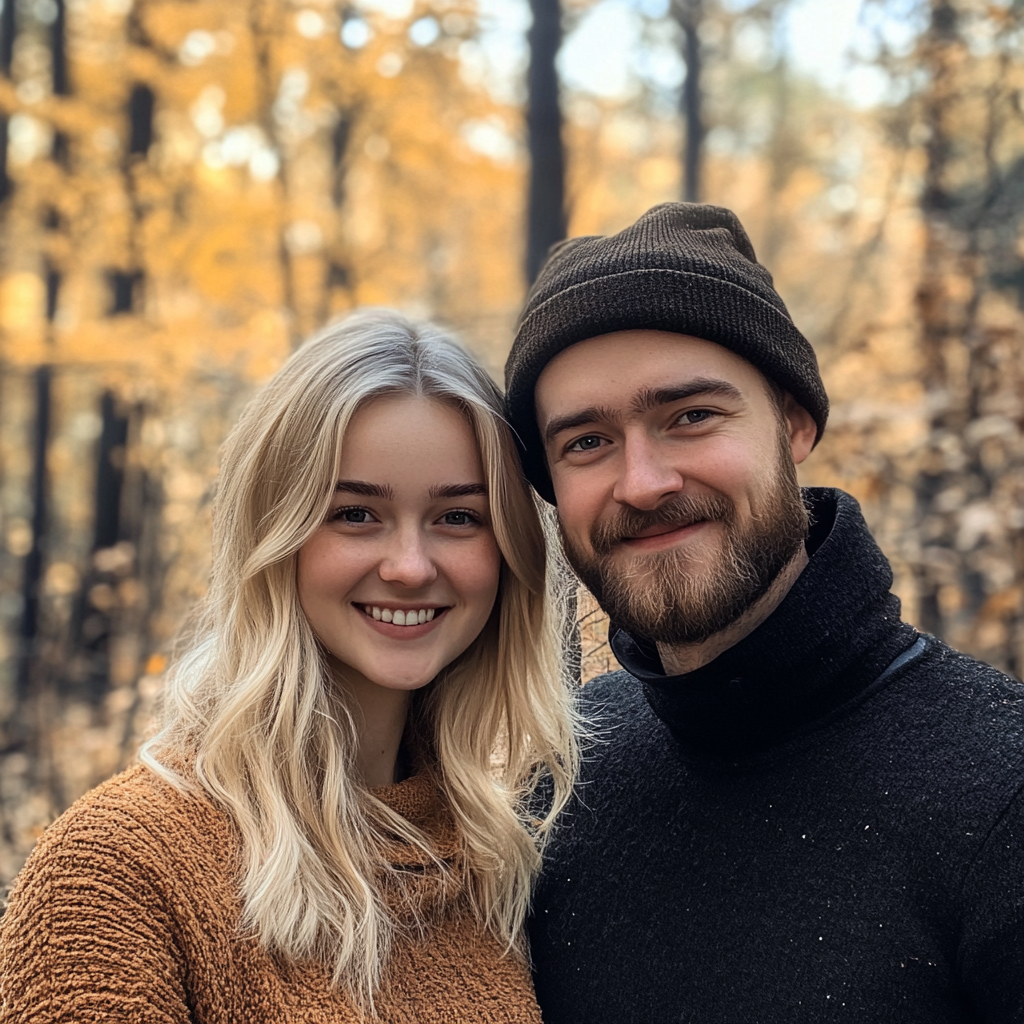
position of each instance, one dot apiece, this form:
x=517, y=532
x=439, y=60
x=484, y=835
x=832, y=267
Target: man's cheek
x=578, y=519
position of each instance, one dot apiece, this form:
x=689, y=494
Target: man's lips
x=661, y=536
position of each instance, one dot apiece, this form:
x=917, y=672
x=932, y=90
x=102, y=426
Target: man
x=796, y=809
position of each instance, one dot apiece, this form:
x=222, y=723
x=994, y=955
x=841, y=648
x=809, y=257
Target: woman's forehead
x=411, y=444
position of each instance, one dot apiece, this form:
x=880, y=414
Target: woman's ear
x=803, y=431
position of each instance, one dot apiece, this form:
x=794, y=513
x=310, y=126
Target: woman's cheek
x=479, y=572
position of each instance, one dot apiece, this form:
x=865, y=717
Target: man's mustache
x=682, y=510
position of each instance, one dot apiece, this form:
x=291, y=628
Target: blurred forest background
x=189, y=187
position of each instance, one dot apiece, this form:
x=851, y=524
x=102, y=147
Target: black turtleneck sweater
x=823, y=824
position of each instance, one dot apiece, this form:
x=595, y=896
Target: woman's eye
x=585, y=444
x=356, y=516
x=460, y=517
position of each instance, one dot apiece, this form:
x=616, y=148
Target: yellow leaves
x=155, y=665
x=19, y=537
x=658, y=175
x=22, y=301
x=232, y=220
x=62, y=579
x=267, y=336
x=8, y=96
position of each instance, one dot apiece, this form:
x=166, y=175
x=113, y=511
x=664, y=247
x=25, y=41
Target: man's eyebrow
x=594, y=414
x=364, y=489
x=644, y=401
x=650, y=398
x=457, y=490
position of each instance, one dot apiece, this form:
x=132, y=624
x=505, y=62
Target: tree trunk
x=688, y=14
x=8, y=30
x=59, y=50
x=546, y=222
x=32, y=570
x=935, y=309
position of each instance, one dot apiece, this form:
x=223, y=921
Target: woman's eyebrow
x=364, y=489
x=457, y=490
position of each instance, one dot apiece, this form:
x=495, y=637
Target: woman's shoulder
x=136, y=828
x=131, y=884
x=139, y=808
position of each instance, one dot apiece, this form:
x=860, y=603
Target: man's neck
x=678, y=659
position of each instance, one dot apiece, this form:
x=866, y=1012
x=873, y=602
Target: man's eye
x=585, y=444
x=695, y=416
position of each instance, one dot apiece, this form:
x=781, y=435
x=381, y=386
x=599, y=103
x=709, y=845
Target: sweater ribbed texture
x=128, y=911
x=790, y=836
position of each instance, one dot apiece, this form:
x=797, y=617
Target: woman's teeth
x=408, y=617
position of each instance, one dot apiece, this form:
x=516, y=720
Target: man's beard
x=664, y=596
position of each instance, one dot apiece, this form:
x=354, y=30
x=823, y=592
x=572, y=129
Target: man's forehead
x=637, y=370
x=635, y=351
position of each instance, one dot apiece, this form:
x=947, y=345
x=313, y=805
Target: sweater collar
x=419, y=885
x=830, y=638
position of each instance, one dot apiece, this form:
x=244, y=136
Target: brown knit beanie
x=687, y=268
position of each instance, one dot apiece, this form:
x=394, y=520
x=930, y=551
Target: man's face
x=674, y=471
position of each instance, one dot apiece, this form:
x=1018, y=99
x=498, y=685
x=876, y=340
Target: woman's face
x=402, y=575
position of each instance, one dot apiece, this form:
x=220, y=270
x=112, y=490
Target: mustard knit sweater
x=128, y=910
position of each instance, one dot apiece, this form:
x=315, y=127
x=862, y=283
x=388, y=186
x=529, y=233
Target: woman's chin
x=397, y=682
x=399, y=676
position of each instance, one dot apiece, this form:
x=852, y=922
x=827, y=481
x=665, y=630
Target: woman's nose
x=407, y=561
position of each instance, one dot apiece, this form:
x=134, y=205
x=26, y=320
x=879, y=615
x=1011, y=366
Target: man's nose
x=647, y=477
x=407, y=561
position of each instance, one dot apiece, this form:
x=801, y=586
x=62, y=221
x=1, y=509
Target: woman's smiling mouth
x=401, y=616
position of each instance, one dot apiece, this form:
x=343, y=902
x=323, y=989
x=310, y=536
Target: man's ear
x=803, y=431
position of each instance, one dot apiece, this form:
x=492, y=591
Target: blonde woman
x=331, y=824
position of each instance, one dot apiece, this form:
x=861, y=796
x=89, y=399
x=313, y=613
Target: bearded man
x=796, y=809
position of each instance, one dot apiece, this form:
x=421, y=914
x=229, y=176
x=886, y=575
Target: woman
x=332, y=822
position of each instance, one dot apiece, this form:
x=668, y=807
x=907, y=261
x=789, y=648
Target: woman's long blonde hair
x=250, y=706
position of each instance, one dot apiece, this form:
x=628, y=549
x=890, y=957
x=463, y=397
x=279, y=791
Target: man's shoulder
x=946, y=679
x=944, y=737
x=967, y=702
x=625, y=735
x=609, y=685
x=615, y=701
x=941, y=655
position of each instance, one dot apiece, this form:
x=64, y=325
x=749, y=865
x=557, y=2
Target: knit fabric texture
x=128, y=911
x=686, y=268
x=795, y=833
